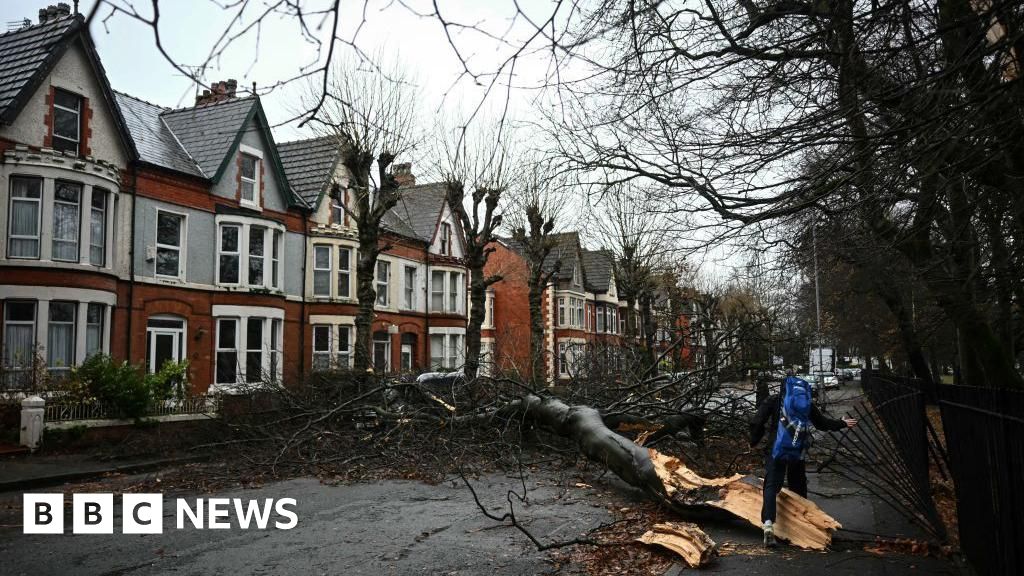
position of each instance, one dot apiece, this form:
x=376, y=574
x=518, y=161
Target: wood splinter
x=685, y=539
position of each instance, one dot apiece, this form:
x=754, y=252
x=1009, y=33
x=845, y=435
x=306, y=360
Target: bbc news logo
x=144, y=513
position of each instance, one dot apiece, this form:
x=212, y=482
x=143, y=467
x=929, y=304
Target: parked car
x=827, y=379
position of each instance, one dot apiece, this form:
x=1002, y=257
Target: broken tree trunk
x=669, y=481
x=683, y=538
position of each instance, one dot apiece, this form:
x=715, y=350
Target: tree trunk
x=365, y=265
x=537, y=375
x=478, y=301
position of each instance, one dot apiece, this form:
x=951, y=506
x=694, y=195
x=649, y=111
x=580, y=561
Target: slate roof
x=308, y=165
x=418, y=211
x=565, y=249
x=28, y=54
x=599, y=266
x=209, y=131
x=153, y=139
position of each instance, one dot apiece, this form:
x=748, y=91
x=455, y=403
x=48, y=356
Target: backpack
x=793, y=436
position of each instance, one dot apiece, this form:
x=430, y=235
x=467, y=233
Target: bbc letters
x=144, y=513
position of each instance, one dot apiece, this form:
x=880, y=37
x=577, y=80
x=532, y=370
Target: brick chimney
x=54, y=12
x=224, y=90
x=403, y=174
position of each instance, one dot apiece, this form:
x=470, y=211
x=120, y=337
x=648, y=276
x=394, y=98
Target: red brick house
x=156, y=234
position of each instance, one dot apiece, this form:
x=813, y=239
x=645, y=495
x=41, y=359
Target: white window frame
x=241, y=316
x=256, y=155
x=102, y=327
x=180, y=249
x=336, y=346
x=276, y=251
x=437, y=288
x=344, y=273
x=25, y=364
x=322, y=352
x=382, y=287
x=321, y=270
x=563, y=359
x=387, y=353
x=39, y=215
x=561, y=311
x=242, y=270
x=78, y=217
x=600, y=311
x=409, y=287
x=488, y=309
x=446, y=239
x=78, y=114
x=249, y=256
x=74, y=323
x=453, y=297
x=177, y=336
x=103, y=193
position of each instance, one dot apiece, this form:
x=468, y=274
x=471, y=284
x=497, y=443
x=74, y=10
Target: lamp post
x=817, y=307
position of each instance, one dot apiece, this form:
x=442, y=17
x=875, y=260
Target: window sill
x=250, y=205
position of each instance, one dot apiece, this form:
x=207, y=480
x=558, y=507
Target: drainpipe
x=302, y=307
x=426, y=307
x=131, y=265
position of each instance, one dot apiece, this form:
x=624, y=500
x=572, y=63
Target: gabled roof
x=418, y=211
x=209, y=132
x=600, y=269
x=201, y=140
x=31, y=52
x=309, y=164
x=566, y=248
x=153, y=139
x=28, y=54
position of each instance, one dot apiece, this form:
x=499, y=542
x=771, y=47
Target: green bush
x=125, y=387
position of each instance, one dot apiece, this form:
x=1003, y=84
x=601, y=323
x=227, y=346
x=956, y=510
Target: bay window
x=382, y=282
x=227, y=351
x=230, y=249
x=60, y=344
x=66, y=217
x=437, y=291
x=25, y=215
x=409, y=288
x=600, y=318
x=94, y=317
x=257, y=250
x=446, y=350
x=249, y=254
x=19, y=335
x=275, y=259
x=254, y=349
x=276, y=340
x=170, y=229
x=344, y=272
x=98, y=228
x=321, y=347
x=322, y=271
x=563, y=359
x=561, y=311
x=454, y=292
x=342, y=347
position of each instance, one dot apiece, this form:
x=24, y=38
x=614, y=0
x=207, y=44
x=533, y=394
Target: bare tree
x=478, y=160
x=535, y=208
x=372, y=116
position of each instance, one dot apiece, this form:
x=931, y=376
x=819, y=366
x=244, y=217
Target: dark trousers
x=795, y=474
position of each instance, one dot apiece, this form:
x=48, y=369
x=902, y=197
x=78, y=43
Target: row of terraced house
x=154, y=234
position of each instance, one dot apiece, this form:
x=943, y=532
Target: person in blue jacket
x=784, y=456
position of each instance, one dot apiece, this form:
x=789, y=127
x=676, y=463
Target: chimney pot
x=403, y=174
x=220, y=90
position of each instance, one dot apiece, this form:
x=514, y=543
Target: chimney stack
x=224, y=90
x=54, y=12
x=403, y=174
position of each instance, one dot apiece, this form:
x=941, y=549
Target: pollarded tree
x=476, y=161
x=372, y=114
x=538, y=203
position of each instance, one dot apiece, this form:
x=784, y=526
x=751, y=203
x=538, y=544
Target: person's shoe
x=769, y=535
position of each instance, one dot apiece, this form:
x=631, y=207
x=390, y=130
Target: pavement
x=404, y=527
x=29, y=472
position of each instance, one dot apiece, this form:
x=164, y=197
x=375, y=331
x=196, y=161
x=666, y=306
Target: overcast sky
x=393, y=30
x=190, y=28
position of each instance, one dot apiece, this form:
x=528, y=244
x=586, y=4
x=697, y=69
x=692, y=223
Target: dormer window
x=249, y=178
x=67, y=121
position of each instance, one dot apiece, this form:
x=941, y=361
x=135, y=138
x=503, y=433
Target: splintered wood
x=683, y=538
x=798, y=520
